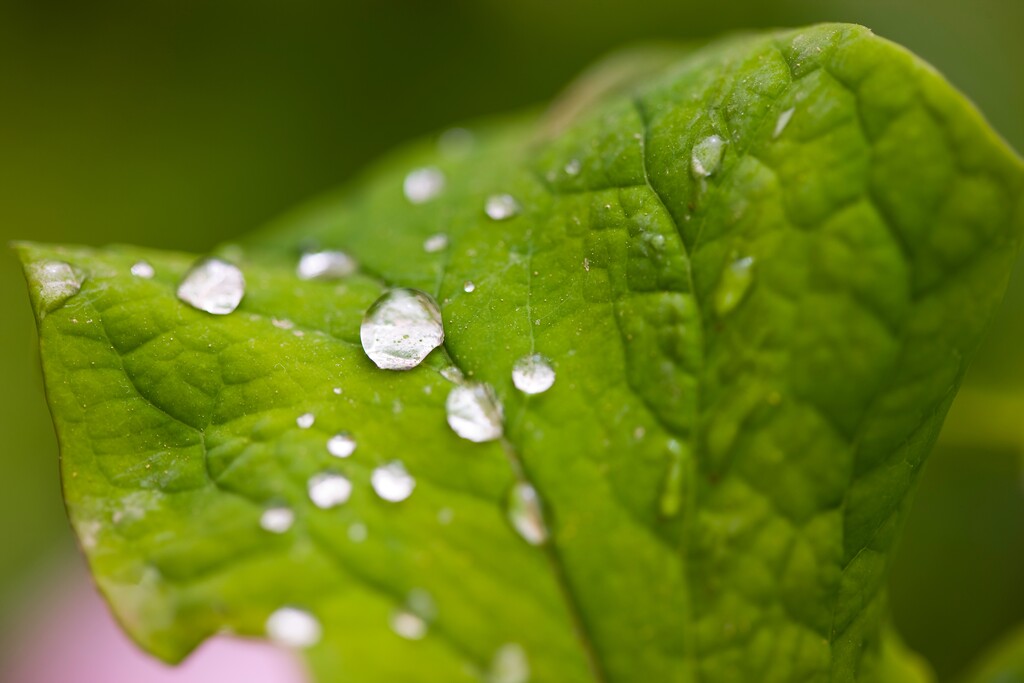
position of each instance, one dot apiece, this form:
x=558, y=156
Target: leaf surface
x=759, y=273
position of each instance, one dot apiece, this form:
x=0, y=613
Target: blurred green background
x=181, y=123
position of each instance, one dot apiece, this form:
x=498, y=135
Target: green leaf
x=756, y=338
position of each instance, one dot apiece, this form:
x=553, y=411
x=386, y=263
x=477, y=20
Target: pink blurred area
x=67, y=635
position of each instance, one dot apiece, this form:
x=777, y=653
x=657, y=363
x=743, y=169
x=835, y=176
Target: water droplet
x=337, y=391
x=533, y=374
x=408, y=625
x=392, y=482
x=401, y=328
x=341, y=445
x=573, y=167
x=325, y=265
x=305, y=421
x=213, y=286
x=501, y=207
x=57, y=280
x=282, y=324
x=445, y=516
x=143, y=269
x=707, y=156
x=782, y=122
x=525, y=513
x=733, y=285
x=452, y=374
x=293, y=627
x=509, y=665
x=328, y=490
x=671, y=501
x=468, y=286
x=357, y=532
x=277, y=519
x=474, y=412
x=456, y=141
x=435, y=243
x=423, y=184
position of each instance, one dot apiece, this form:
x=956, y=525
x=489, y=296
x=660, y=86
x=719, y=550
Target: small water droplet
x=325, y=265
x=468, y=286
x=573, y=167
x=277, y=519
x=57, y=280
x=782, y=122
x=452, y=374
x=213, y=286
x=282, y=324
x=423, y=184
x=337, y=391
x=474, y=412
x=734, y=284
x=357, y=532
x=533, y=374
x=525, y=513
x=408, y=625
x=293, y=627
x=328, y=490
x=456, y=142
x=392, y=483
x=509, y=665
x=671, y=501
x=445, y=516
x=707, y=156
x=305, y=421
x=341, y=445
x=143, y=269
x=435, y=243
x=401, y=328
x=500, y=207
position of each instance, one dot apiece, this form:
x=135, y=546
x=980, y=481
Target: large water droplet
x=293, y=627
x=435, y=243
x=328, y=490
x=468, y=287
x=733, y=284
x=474, y=412
x=525, y=513
x=341, y=445
x=57, y=280
x=401, y=328
x=143, y=269
x=509, y=665
x=392, y=482
x=707, y=156
x=213, y=286
x=277, y=519
x=501, y=207
x=423, y=184
x=325, y=265
x=533, y=374
x=782, y=122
